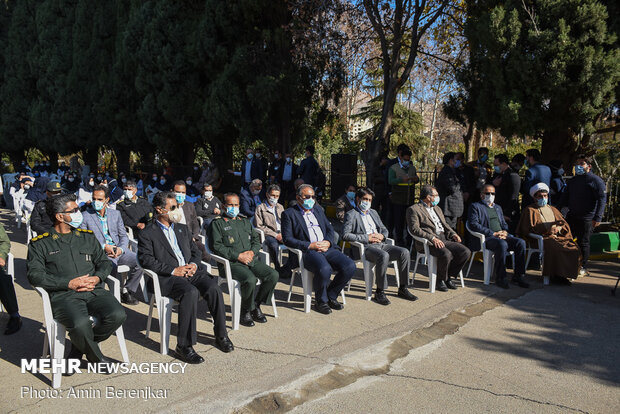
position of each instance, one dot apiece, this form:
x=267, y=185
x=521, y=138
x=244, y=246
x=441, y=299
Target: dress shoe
x=334, y=304
x=187, y=354
x=258, y=315
x=380, y=298
x=322, y=307
x=404, y=293
x=128, y=299
x=441, y=286
x=518, y=280
x=14, y=325
x=224, y=344
x=502, y=283
x=246, y=319
x=450, y=285
x=583, y=272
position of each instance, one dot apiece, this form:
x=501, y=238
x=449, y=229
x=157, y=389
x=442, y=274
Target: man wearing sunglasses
x=487, y=218
x=306, y=228
x=71, y=266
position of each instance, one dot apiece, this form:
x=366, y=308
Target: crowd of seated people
x=276, y=209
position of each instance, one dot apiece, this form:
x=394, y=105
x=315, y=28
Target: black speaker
x=343, y=173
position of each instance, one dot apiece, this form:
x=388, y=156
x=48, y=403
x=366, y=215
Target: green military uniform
x=230, y=237
x=7, y=290
x=54, y=259
x=403, y=193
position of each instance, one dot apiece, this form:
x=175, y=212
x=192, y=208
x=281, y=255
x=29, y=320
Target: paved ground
x=470, y=350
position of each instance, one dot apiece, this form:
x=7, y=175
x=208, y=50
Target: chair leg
x=273, y=305
x=58, y=353
x=471, y=261
x=120, y=336
x=150, y=318
x=165, y=316
x=415, y=267
x=462, y=281
x=487, y=258
x=396, y=273
x=46, y=351
x=235, y=305
x=290, y=288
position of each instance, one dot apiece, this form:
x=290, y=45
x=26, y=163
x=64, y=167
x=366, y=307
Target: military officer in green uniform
x=233, y=238
x=71, y=266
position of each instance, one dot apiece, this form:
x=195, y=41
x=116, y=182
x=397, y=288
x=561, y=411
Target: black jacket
x=156, y=254
x=308, y=171
x=507, y=193
x=40, y=222
x=134, y=213
x=204, y=207
x=585, y=196
x=450, y=193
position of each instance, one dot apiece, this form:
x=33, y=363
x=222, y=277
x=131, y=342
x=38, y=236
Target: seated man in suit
x=364, y=225
x=107, y=226
x=165, y=246
x=71, y=266
x=135, y=211
x=306, y=228
x=208, y=206
x=189, y=216
x=232, y=237
x=487, y=218
x=268, y=219
x=426, y=220
x=251, y=198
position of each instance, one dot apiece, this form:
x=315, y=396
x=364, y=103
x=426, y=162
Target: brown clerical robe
x=562, y=255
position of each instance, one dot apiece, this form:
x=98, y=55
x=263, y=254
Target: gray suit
x=116, y=230
x=381, y=254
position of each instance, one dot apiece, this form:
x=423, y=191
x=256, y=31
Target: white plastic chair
x=488, y=257
x=306, y=281
x=540, y=249
x=164, y=311
x=10, y=270
x=369, y=267
x=234, y=288
x=129, y=231
x=431, y=262
x=54, y=342
x=281, y=247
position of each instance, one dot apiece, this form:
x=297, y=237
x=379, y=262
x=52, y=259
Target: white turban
x=538, y=187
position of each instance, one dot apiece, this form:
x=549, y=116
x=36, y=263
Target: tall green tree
x=539, y=68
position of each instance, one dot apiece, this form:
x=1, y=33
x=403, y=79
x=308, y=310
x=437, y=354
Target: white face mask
x=129, y=194
x=208, y=194
x=273, y=201
x=489, y=199
x=175, y=215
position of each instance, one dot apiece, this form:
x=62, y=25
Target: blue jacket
x=247, y=203
x=295, y=232
x=116, y=228
x=478, y=221
x=256, y=169
x=538, y=173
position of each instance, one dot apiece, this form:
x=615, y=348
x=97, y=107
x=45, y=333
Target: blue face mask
x=405, y=164
x=457, y=163
x=308, y=203
x=579, y=170
x=560, y=171
x=435, y=201
x=497, y=169
x=365, y=205
x=98, y=205
x=250, y=156
x=180, y=198
x=484, y=158
x=162, y=182
x=351, y=195
x=76, y=219
x=542, y=202
x=232, y=212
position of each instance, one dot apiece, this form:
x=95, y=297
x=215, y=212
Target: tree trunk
x=122, y=159
x=91, y=158
x=467, y=140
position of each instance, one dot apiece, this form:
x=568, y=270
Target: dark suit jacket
x=294, y=230
x=478, y=221
x=247, y=205
x=420, y=224
x=280, y=176
x=308, y=171
x=191, y=219
x=450, y=192
x=256, y=169
x=156, y=254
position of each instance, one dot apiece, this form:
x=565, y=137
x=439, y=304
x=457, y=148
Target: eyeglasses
x=488, y=193
x=75, y=210
x=308, y=197
x=172, y=208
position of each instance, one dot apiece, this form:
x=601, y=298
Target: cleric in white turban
x=538, y=187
